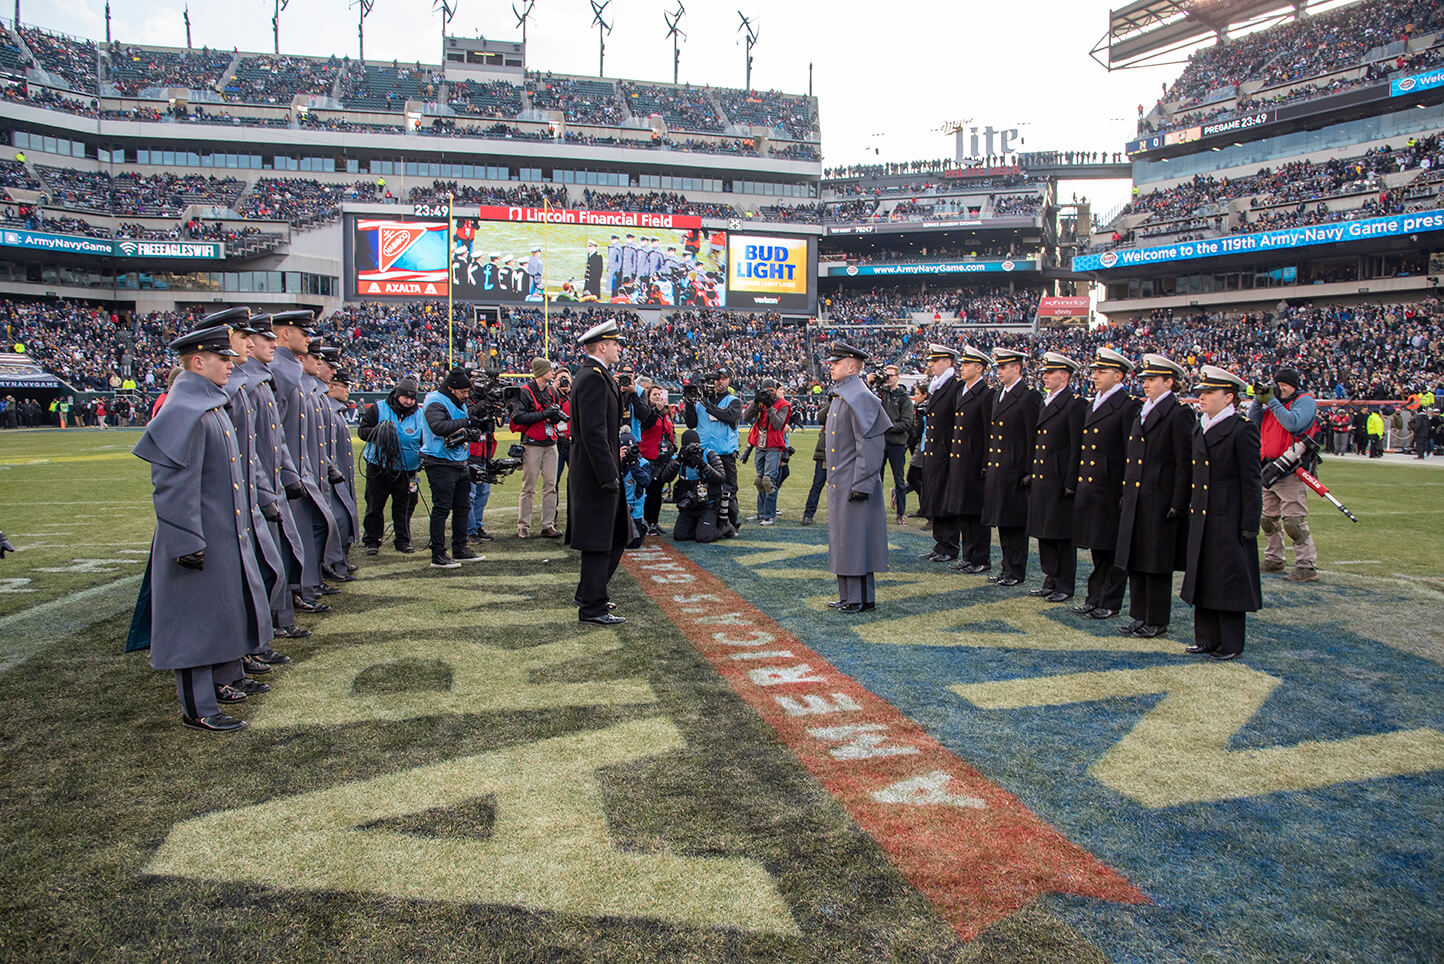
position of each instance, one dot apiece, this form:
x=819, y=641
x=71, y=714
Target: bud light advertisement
x=769, y=272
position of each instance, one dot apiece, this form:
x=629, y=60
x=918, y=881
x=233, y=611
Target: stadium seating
x=788, y=116
x=302, y=201
x=265, y=79
x=133, y=69
x=379, y=87
x=496, y=99
x=68, y=58
x=581, y=101
x=682, y=108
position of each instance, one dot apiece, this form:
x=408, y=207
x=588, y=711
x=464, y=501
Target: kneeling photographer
x=636, y=476
x=446, y=433
x=700, y=490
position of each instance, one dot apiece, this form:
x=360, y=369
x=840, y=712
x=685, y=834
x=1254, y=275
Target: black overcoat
x=1222, y=570
x=1100, y=471
x=596, y=517
x=1011, y=432
x=968, y=455
x=940, y=408
x=1055, y=467
x=1157, y=472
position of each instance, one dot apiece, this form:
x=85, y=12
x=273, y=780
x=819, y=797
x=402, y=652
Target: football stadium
x=462, y=508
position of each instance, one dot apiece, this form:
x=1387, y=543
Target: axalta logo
x=852, y=269
x=1108, y=259
x=395, y=241
x=1408, y=84
x=1008, y=266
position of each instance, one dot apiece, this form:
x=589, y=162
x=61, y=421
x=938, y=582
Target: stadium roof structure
x=1145, y=31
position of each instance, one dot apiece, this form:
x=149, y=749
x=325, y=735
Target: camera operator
x=819, y=470
x=536, y=416
x=714, y=411
x=898, y=407
x=636, y=477
x=1283, y=413
x=768, y=412
x=700, y=490
x=393, y=457
x=631, y=397
x=657, y=444
x=445, y=433
x=481, y=450
x=563, y=387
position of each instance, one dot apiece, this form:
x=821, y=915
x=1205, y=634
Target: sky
x=887, y=84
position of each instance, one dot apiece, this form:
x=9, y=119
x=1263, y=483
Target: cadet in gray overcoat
x=856, y=515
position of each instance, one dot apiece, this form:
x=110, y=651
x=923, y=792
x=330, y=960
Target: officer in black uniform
x=937, y=443
x=1055, y=478
x=1011, y=432
x=1100, y=482
x=1153, y=524
x=968, y=462
x=1221, y=579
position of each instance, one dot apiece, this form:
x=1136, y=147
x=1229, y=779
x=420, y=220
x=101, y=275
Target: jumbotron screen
x=512, y=255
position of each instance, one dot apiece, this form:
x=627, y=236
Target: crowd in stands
x=135, y=195
x=314, y=122
x=656, y=202
x=1016, y=205
x=69, y=58
x=789, y=115
x=44, y=97
x=302, y=201
x=133, y=69
x=581, y=101
x=497, y=98
x=683, y=108
x=1303, y=48
x=523, y=195
x=373, y=86
x=883, y=305
x=265, y=79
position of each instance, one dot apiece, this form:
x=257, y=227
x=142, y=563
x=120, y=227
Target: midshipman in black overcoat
x=967, y=461
x=937, y=443
x=1011, y=430
x=1055, y=477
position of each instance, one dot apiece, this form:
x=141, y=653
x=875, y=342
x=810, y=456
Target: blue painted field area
x=1288, y=805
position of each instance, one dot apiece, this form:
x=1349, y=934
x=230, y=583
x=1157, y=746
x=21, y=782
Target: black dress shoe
x=1007, y=581
x=1082, y=609
x=408, y=550
x=341, y=576
x=373, y=550
x=218, y=723
x=1150, y=631
x=1128, y=629
x=270, y=657
x=1196, y=649
x=974, y=569
x=994, y=578
x=229, y=694
x=352, y=567
x=1103, y=613
x=605, y=619
x=251, y=687
x=611, y=607
x=329, y=590
x=302, y=606
x=1058, y=596
x=291, y=632
x=254, y=666
x=868, y=607
x=851, y=608
x=939, y=557
x=836, y=604
x=1223, y=656
x=1040, y=593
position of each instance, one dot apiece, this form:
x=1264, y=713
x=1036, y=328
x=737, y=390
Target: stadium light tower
x=276, y=23
x=447, y=9
x=603, y=28
x=751, y=41
x=365, y=7
x=522, y=16
x=677, y=34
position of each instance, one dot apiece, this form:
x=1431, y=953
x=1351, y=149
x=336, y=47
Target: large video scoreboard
x=514, y=255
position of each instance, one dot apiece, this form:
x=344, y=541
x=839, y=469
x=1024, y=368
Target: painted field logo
x=127, y=248
x=396, y=240
x=1109, y=259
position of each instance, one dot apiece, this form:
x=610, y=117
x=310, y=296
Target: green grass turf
x=98, y=772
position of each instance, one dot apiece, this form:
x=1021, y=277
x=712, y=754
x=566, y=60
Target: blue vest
x=431, y=444
x=717, y=436
x=408, y=430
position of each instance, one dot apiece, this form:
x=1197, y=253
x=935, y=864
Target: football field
x=452, y=768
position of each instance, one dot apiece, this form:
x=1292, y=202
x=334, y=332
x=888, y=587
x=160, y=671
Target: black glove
x=554, y=414
x=271, y=513
x=455, y=438
x=1025, y=481
x=334, y=477
x=295, y=490
x=479, y=422
x=1171, y=514
x=194, y=560
x=856, y=496
x=1248, y=538
x=613, y=485
x=5, y=546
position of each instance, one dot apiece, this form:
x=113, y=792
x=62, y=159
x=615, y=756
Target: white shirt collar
x=1207, y=423
x=1150, y=403
x=1100, y=399
x=939, y=381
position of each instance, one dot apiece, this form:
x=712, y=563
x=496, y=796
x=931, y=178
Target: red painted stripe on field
x=969, y=846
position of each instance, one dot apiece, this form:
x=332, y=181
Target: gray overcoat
x=299, y=425
x=212, y=615
x=277, y=466
x=856, y=531
x=343, y=456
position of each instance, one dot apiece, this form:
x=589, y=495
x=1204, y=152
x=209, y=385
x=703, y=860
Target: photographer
x=1283, y=413
x=768, y=412
x=444, y=436
x=391, y=429
x=657, y=444
x=536, y=416
x=631, y=397
x=714, y=410
x=819, y=470
x=563, y=387
x=898, y=407
x=636, y=477
x=481, y=451
x=700, y=490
